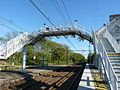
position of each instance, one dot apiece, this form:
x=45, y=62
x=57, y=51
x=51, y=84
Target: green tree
x=77, y=58
x=90, y=57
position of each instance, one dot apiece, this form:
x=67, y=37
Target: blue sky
x=89, y=13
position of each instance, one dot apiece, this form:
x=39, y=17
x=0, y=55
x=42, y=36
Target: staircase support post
x=24, y=57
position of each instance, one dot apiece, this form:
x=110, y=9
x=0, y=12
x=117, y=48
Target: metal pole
x=89, y=48
x=24, y=57
x=66, y=54
x=90, y=54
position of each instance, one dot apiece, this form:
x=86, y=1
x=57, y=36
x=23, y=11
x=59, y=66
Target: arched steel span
x=83, y=35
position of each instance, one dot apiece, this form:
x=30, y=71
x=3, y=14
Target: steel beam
x=83, y=35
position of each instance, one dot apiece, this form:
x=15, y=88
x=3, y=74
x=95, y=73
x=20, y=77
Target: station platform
x=91, y=79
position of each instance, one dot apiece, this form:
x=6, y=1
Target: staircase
x=13, y=45
x=115, y=61
x=114, y=58
x=108, y=59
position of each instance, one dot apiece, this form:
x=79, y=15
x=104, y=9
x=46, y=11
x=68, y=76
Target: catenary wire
x=12, y=23
x=57, y=6
x=48, y=19
x=43, y=14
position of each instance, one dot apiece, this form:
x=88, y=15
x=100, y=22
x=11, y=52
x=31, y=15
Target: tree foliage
x=58, y=54
x=77, y=58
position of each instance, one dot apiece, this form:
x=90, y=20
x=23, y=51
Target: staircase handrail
x=102, y=29
x=111, y=77
x=13, y=45
x=112, y=40
x=2, y=51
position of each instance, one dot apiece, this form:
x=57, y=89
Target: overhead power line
x=57, y=6
x=43, y=14
x=71, y=43
x=8, y=27
x=68, y=17
x=12, y=23
x=67, y=12
x=48, y=20
x=77, y=43
x=64, y=18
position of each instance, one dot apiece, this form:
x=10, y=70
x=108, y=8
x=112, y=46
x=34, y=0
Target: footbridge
x=106, y=41
x=63, y=32
x=15, y=44
x=24, y=39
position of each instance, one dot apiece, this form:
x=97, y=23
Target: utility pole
x=66, y=54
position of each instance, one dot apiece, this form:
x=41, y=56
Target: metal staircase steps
x=107, y=45
x=118, y=85
x=109, y=53
x=115, y=58
x=115, y=62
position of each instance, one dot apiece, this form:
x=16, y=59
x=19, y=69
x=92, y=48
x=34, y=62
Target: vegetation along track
x=63, y=78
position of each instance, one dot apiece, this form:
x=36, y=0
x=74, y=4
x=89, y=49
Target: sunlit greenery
x=52, y=53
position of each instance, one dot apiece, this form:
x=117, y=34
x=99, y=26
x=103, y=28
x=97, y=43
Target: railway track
x=64, y=78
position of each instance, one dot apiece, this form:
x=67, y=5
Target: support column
x=24, y=56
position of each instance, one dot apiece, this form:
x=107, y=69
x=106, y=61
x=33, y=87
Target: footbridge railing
x=13, y=45
x=105, y=33
x=62, y=32
x=112, y=40
x=103, y=63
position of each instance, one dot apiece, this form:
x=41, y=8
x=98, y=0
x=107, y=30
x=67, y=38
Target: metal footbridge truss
x=63, y=32
x=15, y=44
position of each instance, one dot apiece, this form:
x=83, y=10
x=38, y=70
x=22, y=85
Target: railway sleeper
x=5, y=85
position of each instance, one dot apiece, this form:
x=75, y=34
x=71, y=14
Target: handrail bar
x=104, y=60
x=112, y=40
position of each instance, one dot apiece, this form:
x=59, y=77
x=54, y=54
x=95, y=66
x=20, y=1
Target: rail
x=104, y=65
x=13, y=45
x=74, y=84
x=2, y=51
x=112, y=41
x=112, y=79
x=63, y=78
x=101, y=30
x=95, y=42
